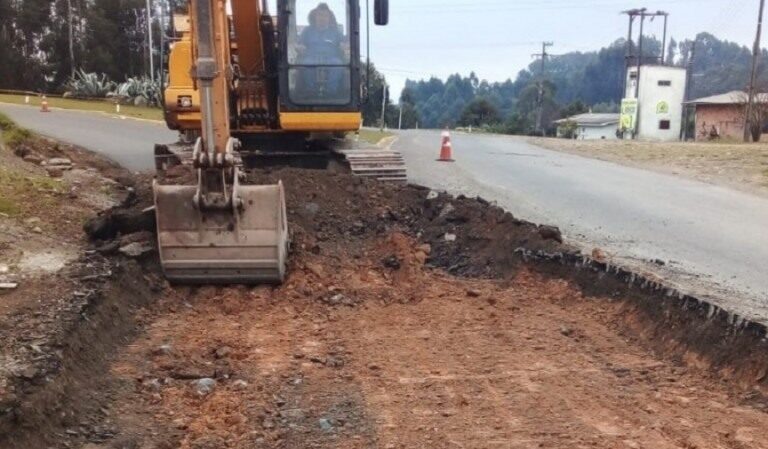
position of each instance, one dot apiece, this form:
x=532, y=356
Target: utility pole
x=753, y=76
x=383, y=105
x=639, y=57
x=540, y=99
x=400, y=120
x=71, y=40
x=149, y=37
x=688, y=87
x=628, y=56
x=633, y=14
x=664, y=40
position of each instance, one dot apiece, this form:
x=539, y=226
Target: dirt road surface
x=407, y=320
x=413, y=358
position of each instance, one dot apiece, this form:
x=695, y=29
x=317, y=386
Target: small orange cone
x=446, y=151
x=44, y=105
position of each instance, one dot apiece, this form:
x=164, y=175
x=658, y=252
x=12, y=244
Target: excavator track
x=380, y=164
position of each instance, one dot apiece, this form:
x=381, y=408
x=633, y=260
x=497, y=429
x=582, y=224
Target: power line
x=534, y=6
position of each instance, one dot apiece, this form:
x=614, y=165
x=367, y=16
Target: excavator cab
x=247, y=82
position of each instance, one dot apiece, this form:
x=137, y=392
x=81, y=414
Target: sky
x=496, y=38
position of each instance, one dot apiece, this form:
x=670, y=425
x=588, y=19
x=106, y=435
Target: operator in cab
x=322, y=44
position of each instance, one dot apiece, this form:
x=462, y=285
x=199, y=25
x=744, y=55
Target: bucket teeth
x=244, y=245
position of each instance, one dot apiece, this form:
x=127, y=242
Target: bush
x=140, y=91
x=569, y=129
x=89, y=85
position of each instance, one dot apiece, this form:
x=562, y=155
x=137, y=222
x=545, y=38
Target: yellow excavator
x=246, y=85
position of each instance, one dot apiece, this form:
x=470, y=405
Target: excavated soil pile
x=467, y=236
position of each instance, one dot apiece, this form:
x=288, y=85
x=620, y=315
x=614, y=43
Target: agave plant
x=139, y=91
x=89, y=85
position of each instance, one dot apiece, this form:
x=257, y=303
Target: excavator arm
x=219, y=231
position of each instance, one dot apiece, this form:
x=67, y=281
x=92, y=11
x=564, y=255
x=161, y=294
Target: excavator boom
x=248, y=85
x=219, y=231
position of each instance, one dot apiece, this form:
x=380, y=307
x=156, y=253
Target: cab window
x=319, y=52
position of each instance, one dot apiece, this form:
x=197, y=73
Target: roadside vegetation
x=87, y=105
x=12, y=134
x=374, y=136
x=23, y=189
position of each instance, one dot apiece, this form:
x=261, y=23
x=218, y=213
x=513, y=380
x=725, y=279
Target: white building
x=590, y=126
x=660, y=102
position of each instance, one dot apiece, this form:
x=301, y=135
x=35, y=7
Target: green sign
x=628, y=119
x=662, y=107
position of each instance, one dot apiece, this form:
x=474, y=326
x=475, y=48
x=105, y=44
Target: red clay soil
x=355, y=353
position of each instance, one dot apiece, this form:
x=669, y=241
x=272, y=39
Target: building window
x=665, y=124
x=665, y=83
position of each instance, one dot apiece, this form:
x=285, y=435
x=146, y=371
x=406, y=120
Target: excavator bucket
x=240, y=245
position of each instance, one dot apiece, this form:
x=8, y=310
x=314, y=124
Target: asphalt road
x=713, y=240
x=129, y=142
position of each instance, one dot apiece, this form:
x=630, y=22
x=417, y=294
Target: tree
x=575, y=108
x=528, y=105
x=517, y=124
x=758, y=118
x=479, y=112
x=671, y=51
x=411, y=118
x=107, y=36
x=720, y=66
x=372, y=96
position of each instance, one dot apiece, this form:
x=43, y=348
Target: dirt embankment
x=409, y=319
x=740, y=166
x=63, y=307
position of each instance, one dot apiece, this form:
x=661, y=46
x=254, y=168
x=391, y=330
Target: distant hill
x=577, y=81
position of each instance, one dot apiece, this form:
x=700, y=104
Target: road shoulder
x=742, y=167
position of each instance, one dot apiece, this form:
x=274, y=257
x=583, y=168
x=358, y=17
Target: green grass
x=373, y=136
x=87, y=105
x=16, y=189
x=15, y=136
x=9, y=207
x=6, y=123
x=23, y=183
x=12, y=134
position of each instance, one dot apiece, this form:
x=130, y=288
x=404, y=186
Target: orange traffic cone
x=44, y=105
x=446, y=151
